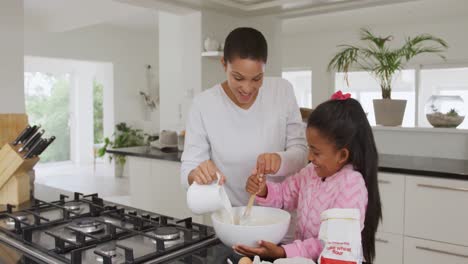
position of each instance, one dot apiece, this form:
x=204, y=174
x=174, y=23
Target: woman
x=247, y=122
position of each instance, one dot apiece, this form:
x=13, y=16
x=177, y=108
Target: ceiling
x=283, y=8
x=298, y=15
x=66, y=15
x=432, y=11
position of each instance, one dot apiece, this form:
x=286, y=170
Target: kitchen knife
x=23, y=133
x=32, y=140
x=49, y=141
x=43, y=147
x=36, y=151
x=35, y=146
x=31, y=133
x=39, y=144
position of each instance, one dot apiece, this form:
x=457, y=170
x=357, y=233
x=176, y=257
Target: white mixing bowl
x=265, y=223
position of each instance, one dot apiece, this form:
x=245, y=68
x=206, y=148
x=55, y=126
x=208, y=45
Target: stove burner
x=11, y=221
x=167, y=233
x=111, y=251
x=87, y=225
x=74, y=207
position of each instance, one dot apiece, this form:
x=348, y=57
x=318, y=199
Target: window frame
x=297, y=69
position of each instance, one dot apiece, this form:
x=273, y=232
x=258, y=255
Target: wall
x=180, y=78
x=313, y=48
x=128, y=51
x=218, y=26
x=11, y=57
x=311, y=43
x=426, y=142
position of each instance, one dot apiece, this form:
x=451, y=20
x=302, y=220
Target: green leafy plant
x=124, y=136
x=382, y=61
x=452, y=113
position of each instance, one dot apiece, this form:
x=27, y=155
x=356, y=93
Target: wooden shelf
x=215, y=54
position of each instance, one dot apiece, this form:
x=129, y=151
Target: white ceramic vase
x=211, y=44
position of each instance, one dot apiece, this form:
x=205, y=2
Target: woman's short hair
x=245, y=43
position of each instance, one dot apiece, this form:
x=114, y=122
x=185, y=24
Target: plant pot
x=118, y=169
x=389, y=112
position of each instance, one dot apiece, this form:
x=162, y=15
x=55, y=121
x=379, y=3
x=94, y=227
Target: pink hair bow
x=340, y=96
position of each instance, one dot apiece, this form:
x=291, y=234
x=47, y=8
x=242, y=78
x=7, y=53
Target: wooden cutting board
x=10, y=127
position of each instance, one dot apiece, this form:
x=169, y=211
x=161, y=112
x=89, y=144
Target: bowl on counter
x=265, y=223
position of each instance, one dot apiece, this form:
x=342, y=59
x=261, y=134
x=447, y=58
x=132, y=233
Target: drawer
x=392, y=196
x=430, y=252
x=388, y=249
x=437, y=209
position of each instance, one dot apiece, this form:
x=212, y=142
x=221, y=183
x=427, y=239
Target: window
x=48, y=104
x=364, y=88
x=302, y=84
x=443, y=81
x=98, y=113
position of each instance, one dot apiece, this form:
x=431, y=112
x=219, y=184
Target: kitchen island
x=421, y=198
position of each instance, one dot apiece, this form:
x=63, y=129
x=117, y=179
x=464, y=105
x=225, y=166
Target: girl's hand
x=205, y=173
x=265, y=250
x=256, y=184
x=268, y=163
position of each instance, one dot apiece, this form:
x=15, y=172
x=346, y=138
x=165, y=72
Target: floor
x=85, y=179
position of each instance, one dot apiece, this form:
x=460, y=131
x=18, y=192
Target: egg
x=245, y=260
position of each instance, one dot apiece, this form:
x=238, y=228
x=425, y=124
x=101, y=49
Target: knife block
x=14, y=177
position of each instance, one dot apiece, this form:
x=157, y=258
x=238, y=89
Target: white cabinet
x=437, y=209
x=388, y=249
x=392, y=196
x=155, y=186
x=429, y=252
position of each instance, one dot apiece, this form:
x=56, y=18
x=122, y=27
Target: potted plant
x=124, y=136
x=382, y=62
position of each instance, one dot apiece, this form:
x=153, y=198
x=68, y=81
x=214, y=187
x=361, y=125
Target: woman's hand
x=268, y=163
x=265, y=250
x=256, y=184
x=205, y=173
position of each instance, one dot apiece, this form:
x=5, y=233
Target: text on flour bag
x=340, y=233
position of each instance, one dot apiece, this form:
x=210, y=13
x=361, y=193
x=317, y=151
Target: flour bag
x=340, y=233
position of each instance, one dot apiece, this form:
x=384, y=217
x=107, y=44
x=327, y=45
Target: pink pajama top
x=310, y=195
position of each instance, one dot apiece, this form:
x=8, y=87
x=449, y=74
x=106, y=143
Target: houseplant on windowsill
x=124, y=136
x=383, y=62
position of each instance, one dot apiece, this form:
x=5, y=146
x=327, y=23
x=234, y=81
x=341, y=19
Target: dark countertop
x=171, y=154
x=424, y=166
x=412, y=165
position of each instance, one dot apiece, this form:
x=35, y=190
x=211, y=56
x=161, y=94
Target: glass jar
x=445, y=110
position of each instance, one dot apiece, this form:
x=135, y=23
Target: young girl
x=342, y=174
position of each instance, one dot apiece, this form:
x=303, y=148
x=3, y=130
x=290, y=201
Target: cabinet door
x=430, y=252
x=388, y=249
x=437, y=209
x=392, y=195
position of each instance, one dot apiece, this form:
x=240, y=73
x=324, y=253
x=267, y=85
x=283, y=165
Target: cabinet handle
x=381, y=240
x=384, y=181
x=442, y=252
x=443, y=187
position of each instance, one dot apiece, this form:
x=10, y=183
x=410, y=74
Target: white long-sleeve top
x=233, y=137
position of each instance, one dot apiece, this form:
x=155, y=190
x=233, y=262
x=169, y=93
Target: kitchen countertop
x=171, y=154
x=424, y=166
x=412, y=165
